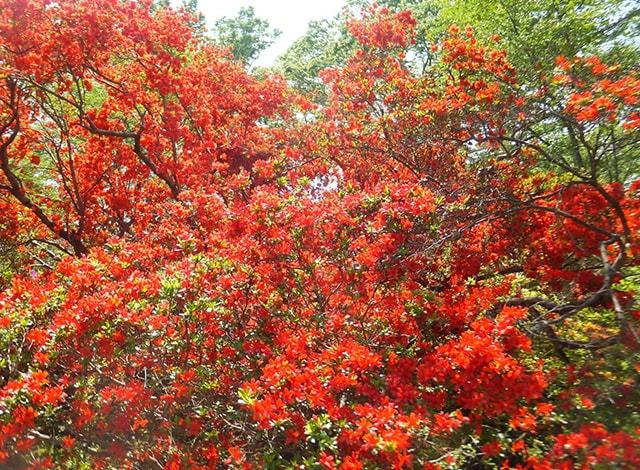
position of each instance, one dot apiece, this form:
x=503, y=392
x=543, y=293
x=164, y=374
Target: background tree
x=246, y=34
x=325, y=44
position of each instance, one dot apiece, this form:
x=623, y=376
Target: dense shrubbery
x=205, y=269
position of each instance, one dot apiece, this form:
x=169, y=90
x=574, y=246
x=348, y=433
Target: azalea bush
x=208, y=270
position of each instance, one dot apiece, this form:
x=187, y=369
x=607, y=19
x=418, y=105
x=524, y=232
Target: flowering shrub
x=397, y=281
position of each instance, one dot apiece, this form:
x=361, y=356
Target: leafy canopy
x=437, y=267
x=246, y=34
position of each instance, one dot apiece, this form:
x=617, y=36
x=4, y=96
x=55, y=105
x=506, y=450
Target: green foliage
x=535, y=32
x=326, y=43
x=246, y=34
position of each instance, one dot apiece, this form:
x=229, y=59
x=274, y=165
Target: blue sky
x=289, y=16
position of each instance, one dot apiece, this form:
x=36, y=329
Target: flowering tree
x=217, y=273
